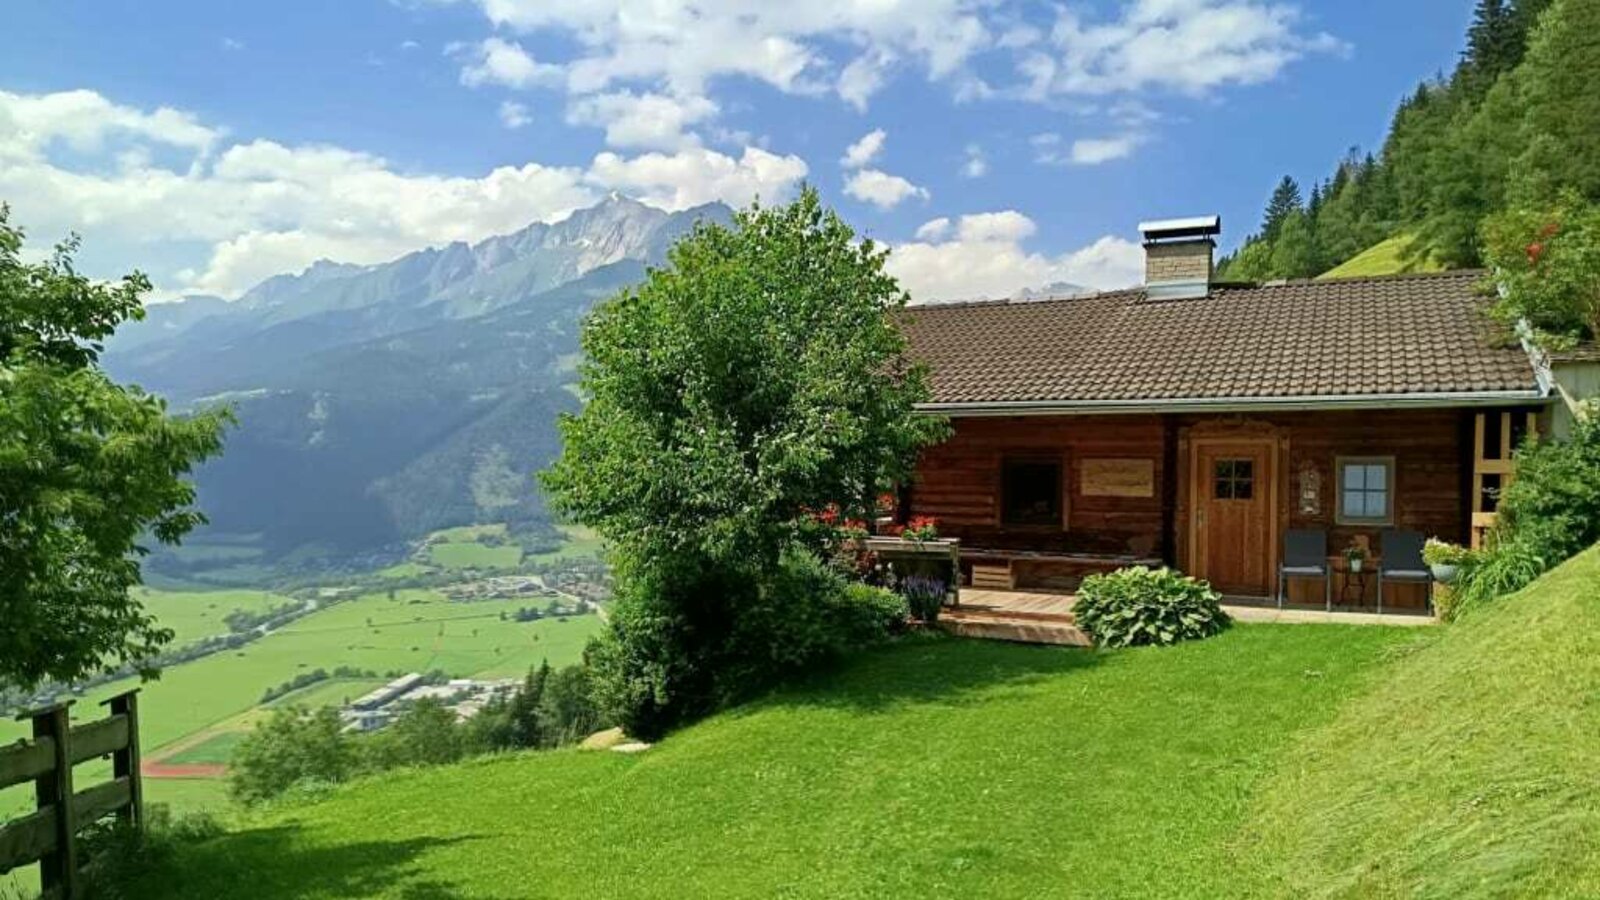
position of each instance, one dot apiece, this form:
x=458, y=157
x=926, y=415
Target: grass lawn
x=1383, y=258
x=1474, y=771
x=931, y=768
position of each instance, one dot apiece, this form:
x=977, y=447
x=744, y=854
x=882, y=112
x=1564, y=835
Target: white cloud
x=865, y=150
x=514, y=115
x=788, y=45
x=167, y=193
x=1189, y=46
x=497, y=61
x=229, y=43
x=933, y=229
x=982, y=255
x=1093, y=151
x=654, y=121
x=698, y=175
x=863, y=77
x=881, y=189
x=976, y=165
x=1050, y=149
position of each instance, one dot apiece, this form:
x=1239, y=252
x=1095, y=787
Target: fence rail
x=49, y=834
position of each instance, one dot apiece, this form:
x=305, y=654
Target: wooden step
x=1026, y=631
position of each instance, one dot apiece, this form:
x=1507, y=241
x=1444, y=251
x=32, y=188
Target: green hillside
x=1472, y=769
x=1271, y=761
x=1387, y=257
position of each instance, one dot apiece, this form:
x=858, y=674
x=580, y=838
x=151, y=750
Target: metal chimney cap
x=1194, y=226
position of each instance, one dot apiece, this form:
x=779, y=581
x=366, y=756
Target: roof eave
x=1241, y=404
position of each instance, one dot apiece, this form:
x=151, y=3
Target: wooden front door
x=1233, y=516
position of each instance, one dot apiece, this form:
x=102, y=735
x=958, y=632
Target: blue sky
x=996, y=145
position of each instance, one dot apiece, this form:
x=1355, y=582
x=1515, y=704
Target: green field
x=217, y=749
x=1271, y=761
x=580, y=542
x=333, y=692
x=197, y=614
x=1384, y=258
x=407, y=569
x=461, y=548
x=417, y=632
x=472, y=555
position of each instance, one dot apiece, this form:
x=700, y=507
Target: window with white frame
x=1366, y=490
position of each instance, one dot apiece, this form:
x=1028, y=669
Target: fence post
x=125, y=762
x=59, y=869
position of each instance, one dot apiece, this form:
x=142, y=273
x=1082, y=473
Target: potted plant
x=1444, y=559
x=1355, y=555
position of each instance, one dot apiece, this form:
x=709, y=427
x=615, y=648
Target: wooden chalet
x=1194, y=423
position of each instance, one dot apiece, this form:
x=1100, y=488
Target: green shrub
x=651, y=672
x=1508, y=565
x=1554, y=502
x=1138, y=605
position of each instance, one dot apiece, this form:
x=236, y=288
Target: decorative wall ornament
x=1308, y=489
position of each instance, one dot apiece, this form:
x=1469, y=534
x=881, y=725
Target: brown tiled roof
x=1406, y=334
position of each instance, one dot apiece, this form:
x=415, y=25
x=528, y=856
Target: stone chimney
x=1177, y=256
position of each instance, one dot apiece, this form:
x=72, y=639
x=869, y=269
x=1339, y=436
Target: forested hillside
x=1512, y=127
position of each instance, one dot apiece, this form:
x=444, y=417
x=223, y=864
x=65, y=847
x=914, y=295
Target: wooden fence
x=49, y=835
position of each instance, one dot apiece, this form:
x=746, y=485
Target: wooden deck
x=1040, y=617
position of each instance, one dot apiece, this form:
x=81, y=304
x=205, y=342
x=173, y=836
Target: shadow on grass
x=930, y=668
x=281, y=862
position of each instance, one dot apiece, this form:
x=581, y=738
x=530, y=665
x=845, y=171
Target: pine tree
x=526, y=710
x=1285, y=200
x=1562, y=105
x=1494, y=45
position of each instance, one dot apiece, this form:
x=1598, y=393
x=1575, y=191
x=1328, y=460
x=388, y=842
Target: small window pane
x=1355, y=504
x=1354, y=478
x=1377, y=477
x=1223, y=469
x=1222, y=489
x=1243, y=489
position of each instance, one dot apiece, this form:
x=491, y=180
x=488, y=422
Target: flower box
x=937, y=558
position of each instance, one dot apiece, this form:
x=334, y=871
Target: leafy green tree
x=1294, y=252
x=1548, y=263
x=88, y=469
x=425, y=734
x=291, y=747
x=759, y=376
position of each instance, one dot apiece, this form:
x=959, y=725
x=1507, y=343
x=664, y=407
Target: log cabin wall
x=959, y=482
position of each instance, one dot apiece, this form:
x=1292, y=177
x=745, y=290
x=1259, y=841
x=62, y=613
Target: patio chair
x=1400, y=559
x=1305, y=555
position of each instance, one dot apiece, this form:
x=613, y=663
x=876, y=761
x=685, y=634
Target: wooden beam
x=99, y=738
x=26, y=760
x=27, y=839
x=92, y=805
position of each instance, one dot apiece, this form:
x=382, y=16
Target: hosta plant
x=1135, y=606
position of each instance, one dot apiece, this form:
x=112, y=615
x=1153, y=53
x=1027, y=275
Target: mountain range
x=377, y=403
